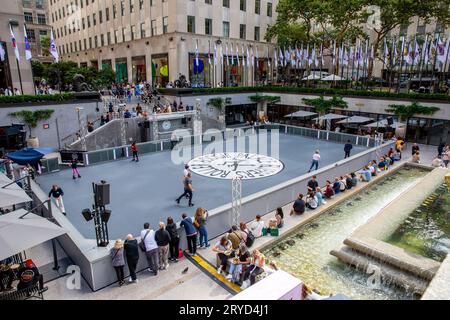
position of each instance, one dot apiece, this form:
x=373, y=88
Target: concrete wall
x=64, y=120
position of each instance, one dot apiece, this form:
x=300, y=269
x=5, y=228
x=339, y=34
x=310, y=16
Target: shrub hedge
x=37, y=98
x=330, y=91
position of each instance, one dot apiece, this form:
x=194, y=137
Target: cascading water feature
x=306, y=253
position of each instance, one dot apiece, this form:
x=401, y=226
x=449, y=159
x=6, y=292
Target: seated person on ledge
x=224, y=251
x=311, y=200
x=299, y=206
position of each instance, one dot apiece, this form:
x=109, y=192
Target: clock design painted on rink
x=229, y=165
x=166, y=125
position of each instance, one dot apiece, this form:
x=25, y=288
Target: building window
x=94, y=20
x=133, y=32
x=226, y=3
x=124, y=30
x=258, y=6
x=226, y=29
x=131, y=6
x=82, y=23
x=122, y=8
x=95, y=41
x=243, y=5
x=81, y=4
x=88, y=22
x=114, y=11
x=116, y=36
x=242, y=31
x=208, y=26
x=90, y=43
x=439, y=27
x=31, y=35
x=108, y=38
x=269, y=9
x=403, y=29
x=28, y=17
x=85, y=44
x=107, y=14
x=191, y=24
x=208, y=1
x=257, y=31
x=71, y=47
x=102, y=40
x=79, y=45
x=26, y=3
x=165, y=24
x=153, y=24
x=142, y=30
x=141, y=4
x=43, y=33
x=100, y=16
x=40, y=4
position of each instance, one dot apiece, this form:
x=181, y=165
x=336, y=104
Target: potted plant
x=31, y=119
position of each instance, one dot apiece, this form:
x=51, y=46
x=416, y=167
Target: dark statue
x=79, y=84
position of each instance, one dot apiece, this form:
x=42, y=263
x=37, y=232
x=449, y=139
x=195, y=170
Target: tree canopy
x=321, y=105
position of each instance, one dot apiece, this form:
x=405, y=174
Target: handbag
x=142, y=243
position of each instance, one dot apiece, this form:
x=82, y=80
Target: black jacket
x=172, y=229
x=162, y=237
x=131, y=249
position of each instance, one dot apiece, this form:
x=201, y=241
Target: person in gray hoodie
x=118, y=260
x=132, y=254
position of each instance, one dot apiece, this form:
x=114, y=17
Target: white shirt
x=256, y=228
x=149, y=241
x=185, y=172
x=8, y=92
x=316, y=156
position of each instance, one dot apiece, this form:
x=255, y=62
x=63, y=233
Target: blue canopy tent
x=29, y=155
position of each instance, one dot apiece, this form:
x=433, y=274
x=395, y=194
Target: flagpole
x=17, y=62
x=424, y=48
x=391, y=63
x=433, y=71
x=384, y=63
x=444, y=72
x=353, y=66
x=401, y=64
x=31, y=65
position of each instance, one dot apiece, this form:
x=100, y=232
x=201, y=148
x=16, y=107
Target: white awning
x=11, y=194
x=18, y=233
x=355, y=119
x=331, y=116
x=300, y=114
x=384, y=124
x=333, y=77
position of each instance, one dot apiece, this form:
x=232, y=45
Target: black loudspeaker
x=87, y=214
x=147, y=124
x=102, y=194
x=390, y=121
x=106, y=214
x=183, y=120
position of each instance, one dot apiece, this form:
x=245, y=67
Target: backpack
x=250, y=239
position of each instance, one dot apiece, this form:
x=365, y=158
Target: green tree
x=322, y=106
x=406, y=112
x=45, y=46
x=31, y=118
x=57, y=71
x=264, y=99
x=338, y=20
x=38, y=68
x=390, y=14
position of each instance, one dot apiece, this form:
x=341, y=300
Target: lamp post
x=81, y=128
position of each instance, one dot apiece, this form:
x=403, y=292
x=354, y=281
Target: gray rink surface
x=146, y=191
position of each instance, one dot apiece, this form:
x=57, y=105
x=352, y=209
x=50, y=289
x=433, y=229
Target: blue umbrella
x=29, y=155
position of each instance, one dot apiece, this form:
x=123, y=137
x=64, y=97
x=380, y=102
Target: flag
x=287, y=57
x=237, y=55
x=209, y=52
x=275, y=58
x=268, y=58
x=306, y=54
x=226, y=54
x=395, y=52
x=416, y=53
x=14, y=44
x=409, y=54
x=321, y=55
x=351, y=54
x=2, y=52
x=257, y=58
x=314, y=57
x=426, y=51
x=243, y=56
x=440, y=50
x=345, y=58
x=28, y=55
x=402, y=49
x=334, y=55
x=248, y=57
x=197, y=62
x=215, y=54
x=232, y=56
x=281, y=57
x=386, y=52
x=221, y=55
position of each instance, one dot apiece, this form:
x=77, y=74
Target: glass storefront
x=262, y=72
x=160, y=70
x=200, y=75
x=121, y=70
x=139, y=69
x=94, y=64
x=234, y=74
x=240, y=114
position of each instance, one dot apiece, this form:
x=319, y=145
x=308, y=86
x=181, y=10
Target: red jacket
x=134, y=148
